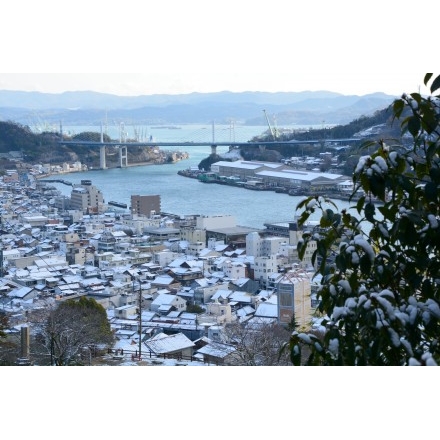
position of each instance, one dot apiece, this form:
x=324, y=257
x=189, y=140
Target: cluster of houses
x=148, y=269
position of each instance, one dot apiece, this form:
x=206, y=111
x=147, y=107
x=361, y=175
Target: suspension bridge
x=231, y=137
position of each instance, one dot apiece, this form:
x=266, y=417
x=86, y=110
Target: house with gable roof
x=23, y=293
x=244, y=285
x=217, y=353
x=207, y=254
x=165, y=282
x=171, y=346
x=220, y=311
x=62, y=290
x=238, y=299
x=205, y=288
x=221, y=296
x=186, y=274
x=164, y=303
x=245, y=313
x=267, y=309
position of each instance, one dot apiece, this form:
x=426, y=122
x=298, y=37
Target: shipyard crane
x=272, y=131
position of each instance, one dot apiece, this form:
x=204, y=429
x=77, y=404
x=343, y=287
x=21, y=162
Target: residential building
x=165, y=302
x=294, y=299
x=264, y=267
x=148, y=205
x=87, y=198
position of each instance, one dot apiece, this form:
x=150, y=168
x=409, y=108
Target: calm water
x=185, y=196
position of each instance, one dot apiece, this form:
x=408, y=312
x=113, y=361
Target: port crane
x=273, y=132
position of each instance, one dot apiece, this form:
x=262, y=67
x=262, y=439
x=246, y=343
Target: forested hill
x=380, y=124
x=40, y=147
x=17, y=137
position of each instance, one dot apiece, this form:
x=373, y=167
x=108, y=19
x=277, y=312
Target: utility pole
x=140, y=314
x=1, y=250
x=140, y=320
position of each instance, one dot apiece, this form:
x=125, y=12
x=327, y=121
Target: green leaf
x=431, y=191
x=369, y=212
x=365, y=264
x=321, y=248
x=434, y=172
x=435, y=84
x=427, y=78
x=429, y=118
x=413, y=125
x=398, y=107
x=377, y=186
x=360, y=204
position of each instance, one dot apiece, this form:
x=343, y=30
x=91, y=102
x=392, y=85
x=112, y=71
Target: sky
x=197, y=46
x=135, y=84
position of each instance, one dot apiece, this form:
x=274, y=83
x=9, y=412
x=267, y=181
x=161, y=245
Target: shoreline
x=138, y=164
x=336, y=195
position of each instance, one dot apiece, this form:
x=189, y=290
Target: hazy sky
x=176, y=83
x=208, y=46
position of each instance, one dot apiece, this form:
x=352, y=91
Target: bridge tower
x=213, y=146
x=102, y=163
x=123, y=158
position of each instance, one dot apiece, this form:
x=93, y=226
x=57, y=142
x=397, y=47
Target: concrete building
x=257, y=246
x=264, y=266
x=277, y=175
x=222, y=312
x=294, y=299
x=215, y=221
x=295, y=235
x=222, y=228
x=245, y=170
x=193, y=235
x=145, y=205
x=87, y=198
x=138, y=223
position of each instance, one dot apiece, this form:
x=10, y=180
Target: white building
x=215, y=222
x=165, y=302
x=86, y=197
x=264, y=267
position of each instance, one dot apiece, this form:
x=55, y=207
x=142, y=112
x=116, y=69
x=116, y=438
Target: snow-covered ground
x=126, y=361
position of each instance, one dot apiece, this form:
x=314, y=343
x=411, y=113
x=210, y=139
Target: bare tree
x=259, y=343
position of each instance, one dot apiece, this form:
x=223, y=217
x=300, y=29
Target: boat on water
x=117, y=204
x=166, y=127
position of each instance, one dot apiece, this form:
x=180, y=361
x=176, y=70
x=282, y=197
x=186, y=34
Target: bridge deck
x=207, y=144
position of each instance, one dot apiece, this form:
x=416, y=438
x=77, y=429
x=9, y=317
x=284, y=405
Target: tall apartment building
x=294, y=299
x=145, y=205
x=86, y=198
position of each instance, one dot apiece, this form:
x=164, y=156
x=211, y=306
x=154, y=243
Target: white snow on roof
x=216, y=349
x=267, y=310
x=162, y=343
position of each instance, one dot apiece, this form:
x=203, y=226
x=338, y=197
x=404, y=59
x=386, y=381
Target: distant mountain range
x=37, y=109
